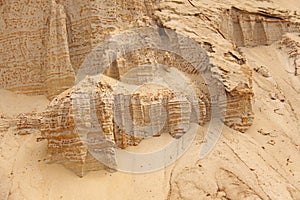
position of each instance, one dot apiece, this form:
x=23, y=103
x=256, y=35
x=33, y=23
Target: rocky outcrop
x=48, y=45
x=202, y=23
x=246, y=28
x=85, y=124
x=62, y=33
x=34, y=56
x=4, y=124
x=291, y=44
x=27, y=123
x=45, y=42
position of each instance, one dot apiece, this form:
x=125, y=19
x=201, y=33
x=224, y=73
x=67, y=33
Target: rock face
x=4, y=124
x=291, y=43
x=255, y=28
x=35, y=56
x=101, y=114
x=43, y=45
x=204, y=24
x=45, y=51
x=48, y=40
x=26, y=123
x=51, y=39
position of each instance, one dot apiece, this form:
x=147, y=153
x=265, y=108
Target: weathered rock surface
x=27, y=123
x=68, y=31
x=4, y=124
x=36, y=59
x=62, y=33
x=49, y=43
x=291, y=43
x=101, y=114
x=48, y=40
x=203, y=23
x=35, y=52
x=246, y=28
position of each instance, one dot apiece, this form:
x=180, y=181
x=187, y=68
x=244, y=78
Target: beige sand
x=263, y=163
x=258, y=164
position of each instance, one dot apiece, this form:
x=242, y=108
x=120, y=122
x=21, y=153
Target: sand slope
x=263, y=163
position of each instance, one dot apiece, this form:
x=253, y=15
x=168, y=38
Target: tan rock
x=246, y=28
x=56, y=36
x=27, y=123
x=98, y=116
x=291, y=43
x=263, y=71
x=4, y=125
x=48, y=40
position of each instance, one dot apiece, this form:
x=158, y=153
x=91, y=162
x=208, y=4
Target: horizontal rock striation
x=291, y=43
x=34, y=54
x=100, y=114
x=204, y=24
x=26, y=123
x=45, y=42
x=44, y=52
x=4, y=124
x=246, y=28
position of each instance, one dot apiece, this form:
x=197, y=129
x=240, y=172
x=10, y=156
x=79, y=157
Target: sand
x=261, y=163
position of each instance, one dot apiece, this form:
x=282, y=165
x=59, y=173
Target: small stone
x=261, y=131
x=23, y=132
x=263, y=71
x=273, y=96
x=277, y=111
x=272, y=142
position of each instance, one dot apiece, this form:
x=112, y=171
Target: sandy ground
x=262, y=163
x=12, y=104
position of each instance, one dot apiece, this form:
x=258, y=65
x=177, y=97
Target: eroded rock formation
x=102, y=113
x=193, y=19
x=34, y=53
x=51, y=39
x=4, y=124
x=44, y=42
x=246, y=28
x=43, y=45
x=62, y=33
x=26, y=123
x=291, y=43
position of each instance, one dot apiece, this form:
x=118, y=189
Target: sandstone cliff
x=66, y=31
x=253, y=51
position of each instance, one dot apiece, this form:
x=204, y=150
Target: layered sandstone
x=82, y=126
x=246, y=28
x=35, y=52
x=51, y=39
x=66, y=31
x=45, y=42
x=204, y=23
x=27, y=123
x=4, y=124
x=291, y=43
x=85, y=124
